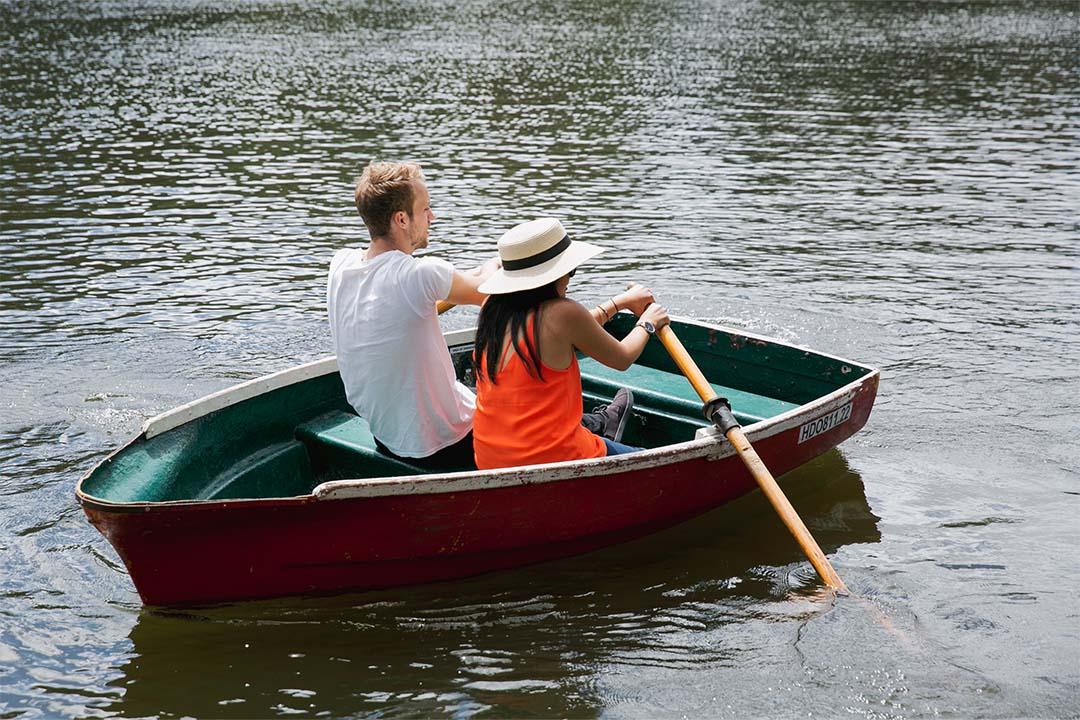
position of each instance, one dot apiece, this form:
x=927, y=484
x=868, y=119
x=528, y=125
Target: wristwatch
x=649, y=327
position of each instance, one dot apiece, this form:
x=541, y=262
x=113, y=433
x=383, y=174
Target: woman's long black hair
x=511, y=312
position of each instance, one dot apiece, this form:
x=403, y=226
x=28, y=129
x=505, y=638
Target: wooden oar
x=718, y=411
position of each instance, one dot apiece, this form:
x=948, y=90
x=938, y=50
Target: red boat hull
x=199, y=552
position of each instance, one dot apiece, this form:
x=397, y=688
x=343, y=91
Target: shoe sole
x=625, y=416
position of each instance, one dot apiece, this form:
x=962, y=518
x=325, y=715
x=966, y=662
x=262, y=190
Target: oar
x=718, y=411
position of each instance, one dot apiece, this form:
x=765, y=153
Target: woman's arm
x=577, y=326
x=635, y=299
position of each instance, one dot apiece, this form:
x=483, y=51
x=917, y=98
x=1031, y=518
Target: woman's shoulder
x=563, y=308
x=562, y=315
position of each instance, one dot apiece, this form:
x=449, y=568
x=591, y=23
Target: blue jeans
x=614, y=448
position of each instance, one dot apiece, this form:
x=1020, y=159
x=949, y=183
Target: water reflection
x=527, y=642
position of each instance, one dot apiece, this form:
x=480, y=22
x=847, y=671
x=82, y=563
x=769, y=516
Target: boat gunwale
x=708, y=443
x=235, y=394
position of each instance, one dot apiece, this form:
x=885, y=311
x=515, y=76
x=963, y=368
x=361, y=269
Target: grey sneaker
x=612, y=418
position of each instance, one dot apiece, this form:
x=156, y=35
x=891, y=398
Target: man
x=393, y=360
x=391, y=354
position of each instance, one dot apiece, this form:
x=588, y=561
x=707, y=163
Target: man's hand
x=635, y=299
x=488, y=269
x=483, y=272
x=464, y=290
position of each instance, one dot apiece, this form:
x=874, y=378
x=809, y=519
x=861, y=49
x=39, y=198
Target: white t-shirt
x=391, y=353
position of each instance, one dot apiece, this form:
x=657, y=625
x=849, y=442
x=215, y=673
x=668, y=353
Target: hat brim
x=508, y=281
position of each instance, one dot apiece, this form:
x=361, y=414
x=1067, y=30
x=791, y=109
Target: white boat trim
x=525, y=475
x=236, y=394
x=253, y=388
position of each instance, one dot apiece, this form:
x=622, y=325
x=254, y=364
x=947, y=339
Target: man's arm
x=464, y=287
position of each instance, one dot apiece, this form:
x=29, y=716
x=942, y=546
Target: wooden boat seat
x=672, y=394
x=341, y=442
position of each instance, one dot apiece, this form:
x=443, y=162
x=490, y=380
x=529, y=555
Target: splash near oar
x=718, y=411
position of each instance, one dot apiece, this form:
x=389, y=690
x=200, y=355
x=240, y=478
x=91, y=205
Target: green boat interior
x=285, y=442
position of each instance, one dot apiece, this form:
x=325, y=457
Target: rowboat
x=274, y=487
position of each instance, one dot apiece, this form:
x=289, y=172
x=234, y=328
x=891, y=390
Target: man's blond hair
x=382, y=190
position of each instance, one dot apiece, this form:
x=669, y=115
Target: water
x=893, y=182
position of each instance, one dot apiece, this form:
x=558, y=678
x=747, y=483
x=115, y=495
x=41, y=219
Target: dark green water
x=894, y=182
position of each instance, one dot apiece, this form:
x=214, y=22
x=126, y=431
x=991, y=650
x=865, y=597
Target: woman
x=528, y=389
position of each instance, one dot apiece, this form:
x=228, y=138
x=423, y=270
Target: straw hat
x=534, y=254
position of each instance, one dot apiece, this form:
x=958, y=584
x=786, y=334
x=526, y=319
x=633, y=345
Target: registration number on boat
x=826, y=422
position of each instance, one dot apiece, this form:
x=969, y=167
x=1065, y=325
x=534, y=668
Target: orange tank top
x=522, y=420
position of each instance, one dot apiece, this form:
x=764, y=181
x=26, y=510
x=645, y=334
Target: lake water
x=898, y=183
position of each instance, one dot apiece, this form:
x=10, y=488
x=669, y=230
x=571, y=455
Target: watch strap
x=647, y=326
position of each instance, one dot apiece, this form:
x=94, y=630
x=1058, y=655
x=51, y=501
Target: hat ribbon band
x=539, y=258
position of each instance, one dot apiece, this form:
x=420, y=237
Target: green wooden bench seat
x=672, y=394
x=342, y=442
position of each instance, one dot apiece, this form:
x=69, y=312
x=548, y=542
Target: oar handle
x=720, y=413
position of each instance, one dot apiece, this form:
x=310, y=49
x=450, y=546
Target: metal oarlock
x=718, y=411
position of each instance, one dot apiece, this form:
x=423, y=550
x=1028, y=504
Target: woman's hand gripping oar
x=718, y=411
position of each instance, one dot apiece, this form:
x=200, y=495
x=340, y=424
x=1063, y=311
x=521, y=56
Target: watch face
x=649, y=327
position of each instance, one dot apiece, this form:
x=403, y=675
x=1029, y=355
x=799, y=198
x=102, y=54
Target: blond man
x=391, y=354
